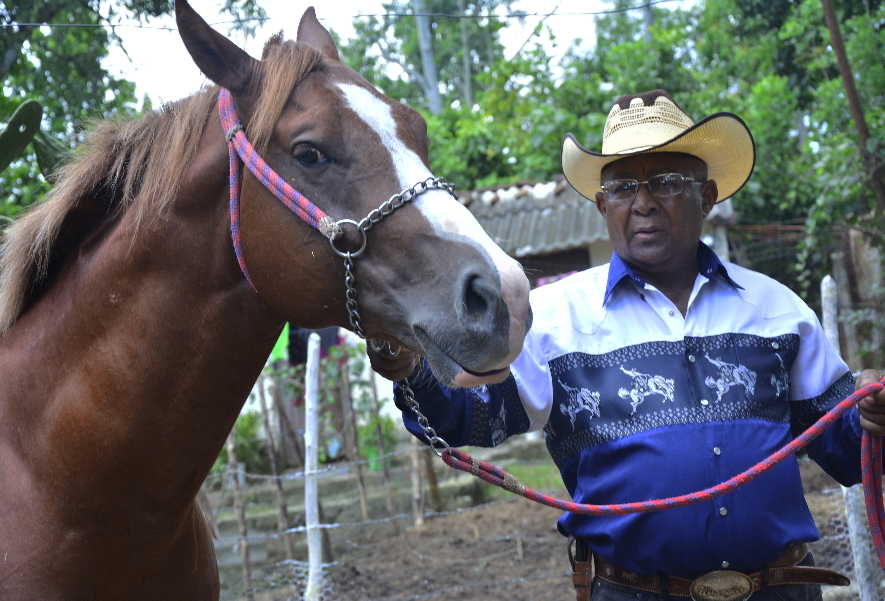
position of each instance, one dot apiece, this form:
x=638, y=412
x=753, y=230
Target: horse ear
x=218, y=58
x=313, y=34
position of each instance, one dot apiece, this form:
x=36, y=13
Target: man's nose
x=644, y=203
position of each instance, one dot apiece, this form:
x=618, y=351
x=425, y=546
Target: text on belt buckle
x=721, y=585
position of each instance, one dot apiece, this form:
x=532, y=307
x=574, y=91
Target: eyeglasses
x=662, y=186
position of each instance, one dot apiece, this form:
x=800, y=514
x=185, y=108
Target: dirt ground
x=506, y=550
x=510, y=551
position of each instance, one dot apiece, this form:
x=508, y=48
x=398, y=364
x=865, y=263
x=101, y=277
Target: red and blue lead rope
x=239, y=148
x=871, y=467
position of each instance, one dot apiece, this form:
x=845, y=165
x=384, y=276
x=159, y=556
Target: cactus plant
x=21, y=129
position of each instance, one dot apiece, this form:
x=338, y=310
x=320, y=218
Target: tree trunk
x=428, y=63
x=282, y=512
x=467, y=84
x=863, y=133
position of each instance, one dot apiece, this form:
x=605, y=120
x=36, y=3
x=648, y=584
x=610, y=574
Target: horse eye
x=309, y=156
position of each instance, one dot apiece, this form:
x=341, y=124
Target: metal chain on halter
x=363, y=226
x=438, y=444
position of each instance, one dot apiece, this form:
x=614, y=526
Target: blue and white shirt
x=638, y=402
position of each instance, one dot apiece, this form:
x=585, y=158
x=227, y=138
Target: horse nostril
x=478, y=297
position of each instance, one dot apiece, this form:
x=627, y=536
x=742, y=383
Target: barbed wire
x=513, y=15
x=342, y=466
x=256, y=538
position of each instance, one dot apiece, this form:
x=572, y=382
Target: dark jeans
x=606, y=591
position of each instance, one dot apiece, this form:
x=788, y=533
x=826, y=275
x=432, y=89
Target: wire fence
x=474, y=526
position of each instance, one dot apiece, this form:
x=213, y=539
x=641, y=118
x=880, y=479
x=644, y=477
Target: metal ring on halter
x=344, y=253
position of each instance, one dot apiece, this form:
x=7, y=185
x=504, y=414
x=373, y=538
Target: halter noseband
x=239, y=148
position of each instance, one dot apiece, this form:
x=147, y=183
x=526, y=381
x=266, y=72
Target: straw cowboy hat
x=653, y=122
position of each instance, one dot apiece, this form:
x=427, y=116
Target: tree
x=61, y=67
x=386, y=49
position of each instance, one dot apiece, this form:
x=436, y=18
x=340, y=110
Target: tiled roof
x=528, y=218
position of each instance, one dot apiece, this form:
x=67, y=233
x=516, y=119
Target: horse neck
x=148, y=346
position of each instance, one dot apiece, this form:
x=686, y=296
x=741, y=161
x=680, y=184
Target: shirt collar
x=709, y=265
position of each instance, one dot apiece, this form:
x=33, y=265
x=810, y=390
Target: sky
x=156, y=60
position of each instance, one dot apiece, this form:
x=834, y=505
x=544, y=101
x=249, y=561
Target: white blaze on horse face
x=443, y=211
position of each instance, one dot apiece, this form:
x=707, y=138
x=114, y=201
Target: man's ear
x=709, y=196
x=600, y=203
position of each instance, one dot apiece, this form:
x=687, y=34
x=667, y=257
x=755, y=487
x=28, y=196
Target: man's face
x=652, y=233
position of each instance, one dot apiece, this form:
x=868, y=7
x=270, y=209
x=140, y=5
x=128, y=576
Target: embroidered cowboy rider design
x=499, y=427
x=781, y=382
x=730, y=375
x=645, y=385
x=579, y=399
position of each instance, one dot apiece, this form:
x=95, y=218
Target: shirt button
x=705, y=402
x=717, y=451
x=691, y=358
x=775, y=345
x=725, y=564
x=723, y=511
x=671, y=313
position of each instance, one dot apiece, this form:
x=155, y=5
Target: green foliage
x=367, y=439
x=248, y=447
x=768, y=61
x=62, y=67
x=343, y=361
x=382, y=42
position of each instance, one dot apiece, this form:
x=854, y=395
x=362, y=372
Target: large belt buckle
x=721, y=585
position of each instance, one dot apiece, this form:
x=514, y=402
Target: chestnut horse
x=129, y=338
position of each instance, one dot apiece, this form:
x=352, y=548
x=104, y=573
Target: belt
x=719, y=585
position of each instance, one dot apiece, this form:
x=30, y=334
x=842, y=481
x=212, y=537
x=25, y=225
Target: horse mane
x=126, y=166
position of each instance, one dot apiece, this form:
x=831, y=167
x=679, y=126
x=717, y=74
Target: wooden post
x=241, y=514
x=311, y=509
x=866, y=569
x=288, y=450
x=282, y=512
x=351, y=445
x=417, y=500
x=382, y=450
x=430, y=476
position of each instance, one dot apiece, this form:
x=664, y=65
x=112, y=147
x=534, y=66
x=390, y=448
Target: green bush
x=367, y=438
x=250, y=449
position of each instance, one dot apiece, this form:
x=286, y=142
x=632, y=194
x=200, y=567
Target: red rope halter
x=239, y=147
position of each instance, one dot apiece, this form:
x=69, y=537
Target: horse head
x=430, y=278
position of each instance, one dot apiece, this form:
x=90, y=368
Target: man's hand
x=872, y=408
x=392, y=362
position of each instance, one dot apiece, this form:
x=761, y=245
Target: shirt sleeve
x=487, y=415
x=820, y=379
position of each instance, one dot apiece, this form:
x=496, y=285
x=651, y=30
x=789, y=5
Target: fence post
x=865, y=565
x=282, y=511
x=311, y=506
x=382, y=450
x=240, y=510
x=349, y=432
x=417, y=499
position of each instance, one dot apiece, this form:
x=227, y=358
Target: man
x=665, y=372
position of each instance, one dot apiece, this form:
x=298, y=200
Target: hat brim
x=722, y=140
